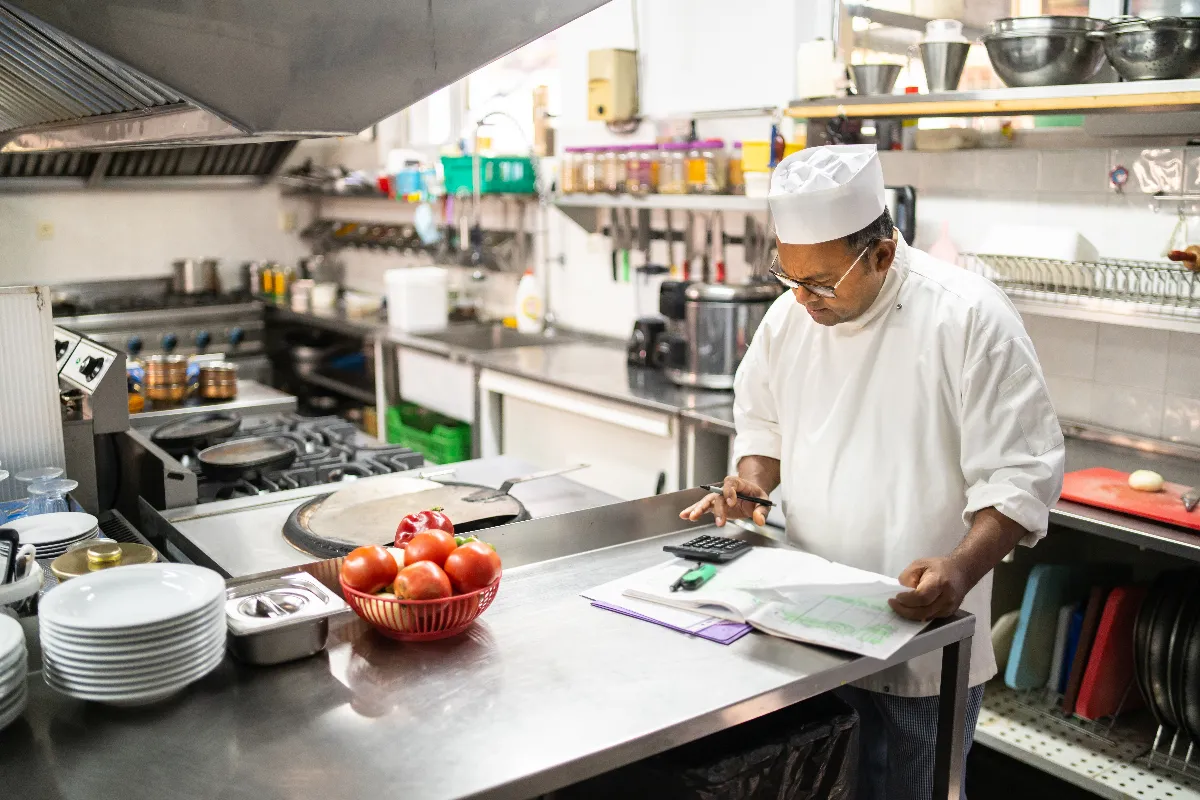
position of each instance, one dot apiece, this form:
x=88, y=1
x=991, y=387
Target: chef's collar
x=897, y=273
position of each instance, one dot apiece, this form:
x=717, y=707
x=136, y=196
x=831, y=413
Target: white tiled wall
x=1132, y=379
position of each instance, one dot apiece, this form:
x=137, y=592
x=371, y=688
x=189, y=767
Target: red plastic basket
x=421, y=620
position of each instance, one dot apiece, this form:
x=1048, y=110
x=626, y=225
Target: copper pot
x=163, y=370
x=218, y=381
x=167, y=392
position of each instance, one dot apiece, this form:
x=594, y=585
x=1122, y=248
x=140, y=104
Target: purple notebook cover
x=721, y=631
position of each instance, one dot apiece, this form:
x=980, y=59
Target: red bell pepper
x=410, y=526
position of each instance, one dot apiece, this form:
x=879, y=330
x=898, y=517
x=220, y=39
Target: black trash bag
x=804, y=751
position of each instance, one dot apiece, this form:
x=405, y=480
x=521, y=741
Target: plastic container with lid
x=641, y=172
x=706, y=167
x=737, y=180
x=613, y=170
x=589, y=169
x=672, y=168
x=568, y=181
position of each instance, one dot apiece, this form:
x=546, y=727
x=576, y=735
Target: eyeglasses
x=828, y=292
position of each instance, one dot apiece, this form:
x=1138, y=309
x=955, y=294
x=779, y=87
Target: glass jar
x=614, y=170
x=589, y=170
x=737, y=179
x=641, y=177
x=706, y=167
x=568, y=180
x=672, y=168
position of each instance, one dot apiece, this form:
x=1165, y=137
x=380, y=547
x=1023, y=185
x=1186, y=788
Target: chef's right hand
x=727, y=505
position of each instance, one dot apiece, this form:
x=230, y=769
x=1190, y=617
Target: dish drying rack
x=1151, y=289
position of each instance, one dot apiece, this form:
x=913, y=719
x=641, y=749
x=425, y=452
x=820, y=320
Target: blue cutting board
x=1050, y=587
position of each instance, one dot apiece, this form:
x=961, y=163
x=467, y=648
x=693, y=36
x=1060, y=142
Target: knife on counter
x=1190, y=499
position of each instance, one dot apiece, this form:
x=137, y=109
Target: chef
x=898, y=402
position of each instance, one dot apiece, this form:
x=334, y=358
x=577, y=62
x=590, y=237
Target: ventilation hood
x=93, y=74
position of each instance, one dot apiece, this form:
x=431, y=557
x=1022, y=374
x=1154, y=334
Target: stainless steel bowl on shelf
x=875, y=79
x=1046, y=51
x=1160, y=48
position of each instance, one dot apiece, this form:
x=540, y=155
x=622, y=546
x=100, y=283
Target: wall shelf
x=1178, y=95
x=677, y=202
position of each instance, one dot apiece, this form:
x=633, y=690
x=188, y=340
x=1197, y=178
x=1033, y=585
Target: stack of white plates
x=55, y=534
x=133, y=635
x=13, y=659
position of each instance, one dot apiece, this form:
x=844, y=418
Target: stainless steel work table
x=542, y=692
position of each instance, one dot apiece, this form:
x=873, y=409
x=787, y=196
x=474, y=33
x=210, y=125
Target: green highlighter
x=694, y=578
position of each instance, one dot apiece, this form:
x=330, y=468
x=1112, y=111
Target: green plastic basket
x=440, y=439
x=498, y=174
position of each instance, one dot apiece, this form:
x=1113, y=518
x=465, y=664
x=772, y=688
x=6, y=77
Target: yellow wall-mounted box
x=612, y=85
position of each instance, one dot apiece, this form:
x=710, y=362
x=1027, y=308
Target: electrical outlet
x=287, y=221
x=45, y=231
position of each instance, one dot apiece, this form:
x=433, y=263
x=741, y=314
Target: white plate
x=96, y=672
x=134, y=682
x=142, y=633
x=20, y=654
x=140, y=696
x=12, y=638
x=119, y=657
x=53, y=529
x=9, y=714
x=56, y=550
x=10, y=679
x=57, y=641
x=136, y=595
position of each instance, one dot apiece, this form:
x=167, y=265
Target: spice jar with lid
x=737, y=178
x=614, y=169
x=672, y=168
x=589, y=169
x=641, y=175
x=706, y=167
x=568, y=181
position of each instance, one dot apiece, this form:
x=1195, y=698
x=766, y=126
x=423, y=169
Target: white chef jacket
x=895, y=427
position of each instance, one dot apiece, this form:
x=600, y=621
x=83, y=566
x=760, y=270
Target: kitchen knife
x=1190, y=499
x=613, y=244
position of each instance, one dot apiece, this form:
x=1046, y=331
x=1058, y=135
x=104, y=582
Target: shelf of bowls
x=1051, y=64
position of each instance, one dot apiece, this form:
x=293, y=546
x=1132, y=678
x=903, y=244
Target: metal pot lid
x=188, y=431
x=97, y=555
x=247, y=453
x=734, y=292
x=1135, y=24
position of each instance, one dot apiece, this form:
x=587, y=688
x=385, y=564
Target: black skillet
x=195, y=432
x=1159, y=649
x=1141, y=635
x=1191, y=681
x=231, y=461
x=1177, y=651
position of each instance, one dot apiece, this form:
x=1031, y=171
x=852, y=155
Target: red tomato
x=413, y=524
x=472, y=566
x=423, y=580
x=429, y=546
x=369, y=569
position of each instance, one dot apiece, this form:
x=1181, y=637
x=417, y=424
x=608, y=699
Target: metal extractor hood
x=90, y=74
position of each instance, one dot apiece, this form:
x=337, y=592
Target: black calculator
x=714, y=549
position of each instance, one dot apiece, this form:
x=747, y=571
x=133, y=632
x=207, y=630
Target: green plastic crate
x=440, y=439
x=498, y=174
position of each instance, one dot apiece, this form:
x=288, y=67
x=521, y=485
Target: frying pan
x=316, y=528
x=189, y=434
x=1159, y=650
x=1177, y=651
x=230, y=461
x=1191, y=681
x=1141, y=634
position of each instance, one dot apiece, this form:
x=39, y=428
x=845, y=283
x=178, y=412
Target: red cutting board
x=1107, y=488
x=1110, y=666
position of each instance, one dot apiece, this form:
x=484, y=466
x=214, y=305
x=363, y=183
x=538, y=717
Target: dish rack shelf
x=1152, y=294
x=1112, y=761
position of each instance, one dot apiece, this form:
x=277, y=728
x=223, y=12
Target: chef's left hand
x=938, y=588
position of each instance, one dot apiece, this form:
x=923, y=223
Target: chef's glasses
x=820, y=290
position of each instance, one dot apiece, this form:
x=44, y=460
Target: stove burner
x=330, y=450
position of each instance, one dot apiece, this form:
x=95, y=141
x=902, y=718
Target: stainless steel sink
x=493, y=337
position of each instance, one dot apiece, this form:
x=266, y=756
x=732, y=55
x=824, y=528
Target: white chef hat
x=823, y=193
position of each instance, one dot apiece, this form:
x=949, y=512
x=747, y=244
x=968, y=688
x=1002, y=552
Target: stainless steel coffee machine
x=709, y=327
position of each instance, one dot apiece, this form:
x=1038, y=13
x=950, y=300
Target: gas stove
x=330, y=450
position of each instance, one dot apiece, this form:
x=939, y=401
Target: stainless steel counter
x=602, y=371
x=334, y=320
x=253, y=398
x=243, y=536
x=542, y=692
x=717, y=418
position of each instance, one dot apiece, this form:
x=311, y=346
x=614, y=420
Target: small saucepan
x=230, y=461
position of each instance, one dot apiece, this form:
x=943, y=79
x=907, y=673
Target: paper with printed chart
x=792, y=595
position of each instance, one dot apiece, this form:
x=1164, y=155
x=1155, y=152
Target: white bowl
x=11, y=676
x=12, y=639
x=53, y=529
x=91, y=680
x=142, y=634
x=134, y=596
x=124, y=696
x=12, y=708
x=119, y=657
x=102, y=671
